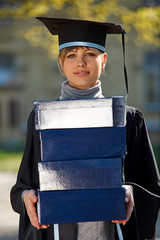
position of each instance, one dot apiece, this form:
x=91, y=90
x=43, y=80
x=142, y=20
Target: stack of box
x=83, y=144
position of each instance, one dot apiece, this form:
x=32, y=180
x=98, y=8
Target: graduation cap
x=75, y=32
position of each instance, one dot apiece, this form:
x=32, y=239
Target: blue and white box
x=83, y=145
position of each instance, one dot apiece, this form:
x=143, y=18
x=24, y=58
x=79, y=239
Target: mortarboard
x=75, y=32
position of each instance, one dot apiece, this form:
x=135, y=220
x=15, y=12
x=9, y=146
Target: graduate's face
x=83, y=66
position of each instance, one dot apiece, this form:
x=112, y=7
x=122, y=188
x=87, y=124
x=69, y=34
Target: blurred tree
x=142, y=16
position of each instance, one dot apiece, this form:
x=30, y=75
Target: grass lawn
x=156, y=150
x=10, y=161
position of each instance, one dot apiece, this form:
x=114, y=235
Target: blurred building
x=28, y=74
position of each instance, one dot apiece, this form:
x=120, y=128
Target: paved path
x=8, y=218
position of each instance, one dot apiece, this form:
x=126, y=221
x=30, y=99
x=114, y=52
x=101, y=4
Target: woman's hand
x=129, y=204
x=30, y=199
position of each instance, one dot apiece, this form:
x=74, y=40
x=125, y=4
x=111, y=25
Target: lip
x=81, y=73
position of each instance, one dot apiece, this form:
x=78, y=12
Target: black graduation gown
x=140, y=167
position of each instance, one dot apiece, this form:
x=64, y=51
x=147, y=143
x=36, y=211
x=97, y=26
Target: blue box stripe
x=84, y=143
x=81, y=206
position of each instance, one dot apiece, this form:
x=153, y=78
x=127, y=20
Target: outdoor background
x=28, y=72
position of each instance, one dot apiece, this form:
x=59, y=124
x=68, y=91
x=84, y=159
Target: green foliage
x=146, y=22
x=10, y=161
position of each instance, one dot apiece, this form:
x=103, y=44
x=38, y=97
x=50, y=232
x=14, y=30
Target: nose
x=81, y=62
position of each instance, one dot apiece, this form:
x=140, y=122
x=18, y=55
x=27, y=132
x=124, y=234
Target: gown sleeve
x=141, y=168
x=27, y=177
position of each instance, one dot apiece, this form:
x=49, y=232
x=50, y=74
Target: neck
x=70, y=93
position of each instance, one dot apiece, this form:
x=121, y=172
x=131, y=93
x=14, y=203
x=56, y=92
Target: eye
x=91, y=54
x=71, y=55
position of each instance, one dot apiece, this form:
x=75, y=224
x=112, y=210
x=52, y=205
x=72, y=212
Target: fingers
x=119, y=221
x=30, y=199
x=129, y=204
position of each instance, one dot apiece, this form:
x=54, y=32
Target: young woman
x=82, y=60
